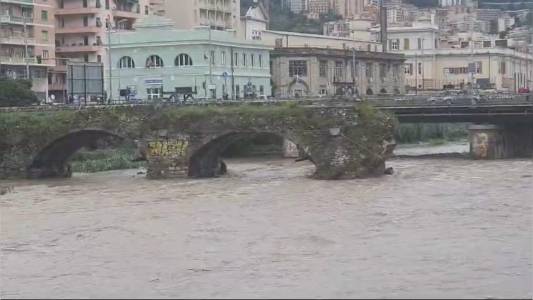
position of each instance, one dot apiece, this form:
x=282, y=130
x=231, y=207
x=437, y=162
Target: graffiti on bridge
x=169, y=148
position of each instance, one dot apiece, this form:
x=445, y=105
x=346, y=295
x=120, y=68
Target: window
x=297, y=68
x=126, y=62
x=409, y=69
x=85, y=21
x=339, y=71
x=369, y=72
x=84, y=3
x=223, y=58
x=487, y=44
x=419, y=68
x=260, y=58
x=323, y=68
x=395, y=44
x=44, y=15
x=183, y=60
x=236, y=59
x=244, y=59
x=420, y=46
x=406, y=45
x=154, y=93
x=212, y=57
x=45, y=35
x=252, y=60
x=154, y=61
x=146, y=10
x=382, y=71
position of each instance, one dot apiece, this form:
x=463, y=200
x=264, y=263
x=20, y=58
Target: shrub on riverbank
x=16, y=93
x=85, y=161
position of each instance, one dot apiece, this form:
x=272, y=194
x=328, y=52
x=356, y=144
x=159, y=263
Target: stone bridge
x=346, y=142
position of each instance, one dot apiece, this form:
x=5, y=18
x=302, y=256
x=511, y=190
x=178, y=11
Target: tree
x=16, y=93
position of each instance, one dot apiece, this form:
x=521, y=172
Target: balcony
x=15, y=19
x=78, y=11
x=21, y=61
x=78, y=48
x=16, y=40
x=75, y=30
x=125, y=14
x=21, y=2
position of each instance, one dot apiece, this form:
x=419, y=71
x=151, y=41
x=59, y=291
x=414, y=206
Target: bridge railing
x=378, y=101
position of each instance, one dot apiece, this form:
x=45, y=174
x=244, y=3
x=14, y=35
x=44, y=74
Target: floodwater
x=444, y=227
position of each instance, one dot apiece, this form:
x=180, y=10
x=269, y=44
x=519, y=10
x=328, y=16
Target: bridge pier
x=490, y=141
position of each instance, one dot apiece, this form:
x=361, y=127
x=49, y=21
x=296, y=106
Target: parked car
x=524, y=91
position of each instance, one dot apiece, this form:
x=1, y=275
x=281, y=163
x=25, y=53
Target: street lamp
x=109, y=26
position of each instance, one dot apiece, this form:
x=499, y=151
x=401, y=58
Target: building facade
x=155, y=59
x=82, y=30
x=27, y=41
x=254, y=22
x=434, y=64
x=218, y=14
x=295, y=6
x=306, y=65
x=348, y=9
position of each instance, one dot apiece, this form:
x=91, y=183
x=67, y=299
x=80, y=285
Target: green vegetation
x=86, y=161
x=16, y=93
x=284, y=20
x=435, y=134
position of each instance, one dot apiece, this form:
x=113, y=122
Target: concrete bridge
x=342, y=142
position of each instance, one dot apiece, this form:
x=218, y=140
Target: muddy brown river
x=436, y=228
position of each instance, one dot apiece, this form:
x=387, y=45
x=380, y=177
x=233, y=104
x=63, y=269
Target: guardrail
x=380, y=102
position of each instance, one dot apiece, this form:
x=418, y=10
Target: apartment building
x=433, y=64
x=27, y=41
x=218, y=14
x=319, y=7
x=349, y=9
x=295, y=6
x=157, y=7
x=82, y=32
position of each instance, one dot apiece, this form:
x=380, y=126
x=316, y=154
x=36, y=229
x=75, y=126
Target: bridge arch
x=51, y=161
x=205, y=161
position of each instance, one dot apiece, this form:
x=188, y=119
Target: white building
x=254, y=22
x=431, y=64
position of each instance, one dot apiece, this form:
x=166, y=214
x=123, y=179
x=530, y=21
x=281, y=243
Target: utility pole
x=211, y=58
x=353, y=70
x=232, y=75
x=109, y=61
x=26, y=55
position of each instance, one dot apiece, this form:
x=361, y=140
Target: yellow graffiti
x=168, y=148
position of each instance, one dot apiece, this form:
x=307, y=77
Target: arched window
x=154, y=61
x=126, y=62
x=183, y=60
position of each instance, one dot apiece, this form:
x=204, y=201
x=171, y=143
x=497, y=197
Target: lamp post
x=109, y=61
x=109, y=25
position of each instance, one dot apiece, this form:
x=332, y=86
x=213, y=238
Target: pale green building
x=156, y=59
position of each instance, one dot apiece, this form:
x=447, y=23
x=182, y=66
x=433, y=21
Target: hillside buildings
x=27, y=35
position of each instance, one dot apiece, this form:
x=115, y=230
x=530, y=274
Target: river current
x=446, y=227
